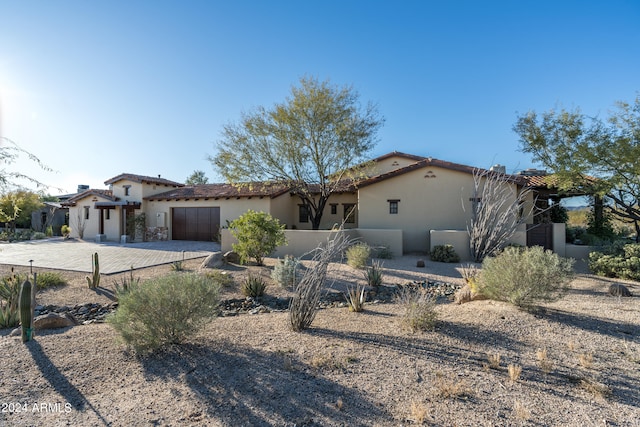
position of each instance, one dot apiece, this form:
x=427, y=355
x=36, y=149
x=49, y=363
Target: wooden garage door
x=200, y=224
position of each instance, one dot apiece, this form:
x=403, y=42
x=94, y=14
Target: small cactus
x=26, y=312
x=94, y=280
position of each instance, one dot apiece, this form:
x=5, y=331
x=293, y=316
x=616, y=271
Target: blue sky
x=97, y=88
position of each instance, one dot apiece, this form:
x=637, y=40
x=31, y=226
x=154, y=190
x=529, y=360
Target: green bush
x=258, y=235
x=284, y=272
x=383, y=252
x=617, y=260
x=165, y=310
x=444, y=253
x=253, y=286
x=50, y=279
x=525, y=277
x=49, y=231
x=358, y=255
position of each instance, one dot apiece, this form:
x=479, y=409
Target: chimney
x=499, y=168
x=82, y=187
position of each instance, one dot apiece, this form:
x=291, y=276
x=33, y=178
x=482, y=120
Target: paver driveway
x=114, y=257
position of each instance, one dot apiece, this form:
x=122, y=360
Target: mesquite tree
x=498, y=210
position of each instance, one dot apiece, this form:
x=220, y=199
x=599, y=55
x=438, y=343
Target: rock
x=619, y=290
x=420, y=263
x=16, y=332
x=232, y=257
x=215, y=260
x=54, y=321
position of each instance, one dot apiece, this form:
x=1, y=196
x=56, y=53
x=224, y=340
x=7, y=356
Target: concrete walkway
x=75, y=255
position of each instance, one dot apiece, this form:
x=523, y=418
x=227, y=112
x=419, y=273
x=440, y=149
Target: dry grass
x=520, y=411
x=586, y=360
x=544, y=363
x=494, y=360
x=452, y=388
x=514, y=372
x=595, y=388
x=419, y=412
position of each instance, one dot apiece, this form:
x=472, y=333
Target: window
x=303, y=213
x=393, y=206
x=334, y=209
x=43, y=218
x=107, y=214
x=126, y=189
x=86, y=212
x=349, y=213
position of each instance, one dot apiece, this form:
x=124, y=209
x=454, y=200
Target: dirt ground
x=579, y=360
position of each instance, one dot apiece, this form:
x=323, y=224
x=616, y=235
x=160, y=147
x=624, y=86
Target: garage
x=198, y=224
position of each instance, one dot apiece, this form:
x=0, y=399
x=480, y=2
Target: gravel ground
x=579, y=360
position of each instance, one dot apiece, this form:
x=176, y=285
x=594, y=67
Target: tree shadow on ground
x=246, y=386
x=591, y=323
x=430, y=345
x=59, y=382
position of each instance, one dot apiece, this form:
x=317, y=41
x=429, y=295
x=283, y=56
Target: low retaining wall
x=301, y=242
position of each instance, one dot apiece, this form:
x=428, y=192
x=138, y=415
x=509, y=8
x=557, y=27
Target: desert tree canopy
x=597, y=156
x=310, y=142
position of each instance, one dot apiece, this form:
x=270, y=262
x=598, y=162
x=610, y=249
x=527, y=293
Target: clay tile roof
x=143, y=180
x=430, y=162
x=211, y=191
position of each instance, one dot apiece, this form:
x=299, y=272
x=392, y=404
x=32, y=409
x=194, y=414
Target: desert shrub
x=356, y=297
x=49, y=231
x=38, y=235
x=444, y=253
x=258, y=235
x=224, y=279
x=358, y=255
x=374, y=274
x=125, y=285
x=165, y=310
x=383, y=252
x=284, y=271
x=9, y=298
x=617, y=260
x=253, y=286
x=49, y=279
x=524, y=277
x=419, y=309
x=304, y=304
x=65, y=230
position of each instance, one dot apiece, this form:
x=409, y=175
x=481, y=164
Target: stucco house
x=402, y=199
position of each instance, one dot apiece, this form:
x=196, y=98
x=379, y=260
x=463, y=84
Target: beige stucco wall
x=301, y=242
x=92, y=225
x=459, y=239
x=430, y=198
x=425, y=203
x=329, y=220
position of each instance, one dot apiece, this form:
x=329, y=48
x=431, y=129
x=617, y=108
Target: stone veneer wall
x=155, y=234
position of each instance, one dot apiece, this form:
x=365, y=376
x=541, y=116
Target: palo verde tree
x=578, y=148
x=310, y=143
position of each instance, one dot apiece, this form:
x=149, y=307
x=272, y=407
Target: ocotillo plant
x=94, y=280
x=26, y=312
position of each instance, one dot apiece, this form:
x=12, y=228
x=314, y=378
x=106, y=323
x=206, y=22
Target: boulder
x=232, y=257
x=215, y=260
x=420, y=263
x=54, y=321
x=619, y=290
